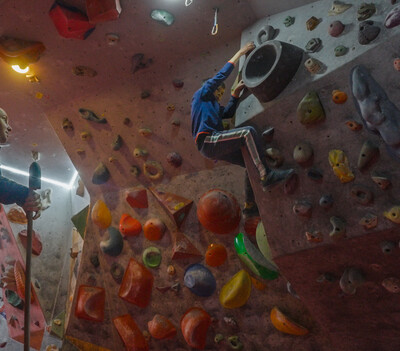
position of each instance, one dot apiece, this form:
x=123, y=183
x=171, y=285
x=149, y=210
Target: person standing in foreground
x=215, y=143
x=10, y=191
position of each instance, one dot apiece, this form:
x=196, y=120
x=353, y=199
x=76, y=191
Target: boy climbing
x=12, y=192
x=215, y=143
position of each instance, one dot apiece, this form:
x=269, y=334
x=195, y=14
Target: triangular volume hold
x=176, y=206
x=183, y=248
x=80, y=220
x=137, y=198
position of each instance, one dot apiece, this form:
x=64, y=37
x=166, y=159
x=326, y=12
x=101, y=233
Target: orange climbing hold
x=218, y=211
x=154, y=229
x=137, y=284
x=258, y=284
x=339, y=97
x=194, y=326
x=286, y=325
x=130, y=333
x=129, y=226
x=161, y=327
x=19, y=275
x=216, y=255
x=17, y=214
x=137, y=198
x=90, y=303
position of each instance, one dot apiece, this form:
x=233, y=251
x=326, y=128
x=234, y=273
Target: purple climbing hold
x=177, y=83
x=199, y=280
x=393, y=18
x=174, y=159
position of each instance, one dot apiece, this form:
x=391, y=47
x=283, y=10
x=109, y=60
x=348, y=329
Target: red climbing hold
x=137, y=198
x=218, y=211
x=102, y=10
x=90, y=303
x=129, y=226
x=182, y=247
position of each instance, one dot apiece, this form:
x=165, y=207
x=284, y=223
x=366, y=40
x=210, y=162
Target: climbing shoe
x=275, y=177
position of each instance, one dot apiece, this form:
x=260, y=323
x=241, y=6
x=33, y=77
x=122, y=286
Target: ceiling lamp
x=19, y=53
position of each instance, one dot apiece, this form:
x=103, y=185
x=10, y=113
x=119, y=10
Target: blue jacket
x=207, y=113
x=12, y=192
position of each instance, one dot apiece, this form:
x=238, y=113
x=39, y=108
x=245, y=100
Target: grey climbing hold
x=314, y=44
x=91, y=116
x=338, y=227
x=367, y=32
x=303, y=152
x=302, y=208
x=163, y=17
x=326, y=201
x=351, y=279
x=101, y=174
x=369, y=152
x=361, y=194
x=117, y=143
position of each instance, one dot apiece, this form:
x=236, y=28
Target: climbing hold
x=365, y=11
x=145, y=132
x=284, y=324
x=117, y=272
x=176, y=122
x=80, y=189
x=314, y=44
x=138, y=62
x=367, y=32
x=171, y=107
x=353, y=125
x=14, y=300
x=154, y=229
x=396, y=64
x=36, y=241
x=112, y=39
x=16, y=214
x=315, y=174
x=250, y=224
x=266, y=33
x=199, y=280
x=171, y=270
x=262, y=242
x=151, y=257
x=194, y=325
x=101, y=174
x=174, y=159
x=94, y=260
x=274, y=157
x=163, y=289
x=338, y=228
x=387, y=247
x=314, y=236
x=145, y=94
x=19, y=276
x=381, y=179
x=312, y=23
x=351, y=279
x=288, y=21
x=176, y=287
x=137, y=198
x=90, y=303
x=101, y=215
x=336, y=28
x=369, y=221
x=340, y=165
x=20, y=52
x=313, y=65
x=130, y=333
x=117, y=143
x=163, y=17
x=393, y=214
x=177, y=83
x=393, y=18
x=137, y=284
x=135, y=171
x=114, y=244
x=236, y=291
x=161, y=328
x=362, y=194
x=216, y=255
x=326, y=201
x=254, y=259
x=67, y=125
x=310, y=109
x=91, y=116
x=268, y=134
x=139, y=152
x=102, y=10
x=126, y=121
x=182, y=247
x=153, y=170
x=341, y=50
x=84, y=71
x=369, y=152
x=303, y=152
x=290, y=185
x=70, y=22
x=258, y=284
x=129, y=226
x=86, y=136
x=80, y=152
x=302, y=208
x=235, y=343
x=339, y=97
x=392, y=284
x=218, y=211
x=218, y=338
x=112, y=159
x=338, y=7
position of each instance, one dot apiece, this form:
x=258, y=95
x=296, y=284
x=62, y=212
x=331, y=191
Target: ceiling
x=37, y=109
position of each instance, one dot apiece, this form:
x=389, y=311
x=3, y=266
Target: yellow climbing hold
x=393, y=214
x=101, y=215
x=237, y=291
x=38, y=95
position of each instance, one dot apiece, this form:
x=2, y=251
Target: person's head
x=5, y=128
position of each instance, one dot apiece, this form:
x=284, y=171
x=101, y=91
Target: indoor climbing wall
x=334, y=230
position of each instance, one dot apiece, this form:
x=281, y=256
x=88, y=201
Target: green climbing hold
x=235, y=343
x=253, y=258
x=152, y=257
x=163, y=17
x=310, y=109
x=14, y=300
x=80, y=219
